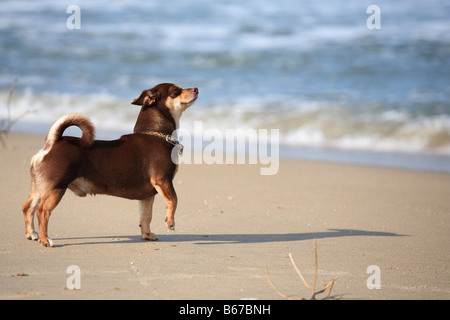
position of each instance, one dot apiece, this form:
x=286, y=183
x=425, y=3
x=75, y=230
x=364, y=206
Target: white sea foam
x=313, y=125
x=309, y=68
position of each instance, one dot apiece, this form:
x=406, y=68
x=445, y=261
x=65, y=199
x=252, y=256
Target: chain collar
x=170, y=139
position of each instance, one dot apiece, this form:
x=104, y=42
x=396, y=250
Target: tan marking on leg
x=167, y=191
x=48, y=202
x=145, y=211
x=29, y=209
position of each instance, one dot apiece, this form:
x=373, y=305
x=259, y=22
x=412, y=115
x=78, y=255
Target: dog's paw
x=33, y=236
x=149, y=236
x=46, y=242
x=170, y=224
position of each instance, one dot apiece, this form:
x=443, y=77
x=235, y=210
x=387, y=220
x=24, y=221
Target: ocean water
x=335, y=89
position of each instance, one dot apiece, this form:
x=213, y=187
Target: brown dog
x=136, y=166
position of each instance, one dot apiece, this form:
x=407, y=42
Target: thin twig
x=8, y=102
x=328, y=286
x=331, y=284
x=6, y=124
x=298, y=272
x=315, y=269
x=273, y=286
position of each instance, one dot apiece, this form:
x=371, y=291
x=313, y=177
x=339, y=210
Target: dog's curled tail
x=71, y=119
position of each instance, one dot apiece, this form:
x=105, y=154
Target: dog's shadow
x=216, y=239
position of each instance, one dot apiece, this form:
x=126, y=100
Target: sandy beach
x=230, y=222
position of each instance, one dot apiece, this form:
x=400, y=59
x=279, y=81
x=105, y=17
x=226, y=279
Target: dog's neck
x=154, y=119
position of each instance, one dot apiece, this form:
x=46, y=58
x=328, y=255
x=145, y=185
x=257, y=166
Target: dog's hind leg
x=165, y=188
x=48, y=202
x=28, y=210
x=145, y=211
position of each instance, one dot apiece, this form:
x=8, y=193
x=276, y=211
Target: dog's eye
x=176, y=92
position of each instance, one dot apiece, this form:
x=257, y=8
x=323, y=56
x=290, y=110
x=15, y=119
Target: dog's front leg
x=167, y=191
x=145, y=210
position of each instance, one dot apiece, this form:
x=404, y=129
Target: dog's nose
x=195, y=90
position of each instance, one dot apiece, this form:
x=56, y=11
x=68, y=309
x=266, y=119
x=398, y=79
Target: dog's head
x=168, y=95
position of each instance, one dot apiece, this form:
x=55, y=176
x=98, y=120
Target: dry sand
x=230, y=222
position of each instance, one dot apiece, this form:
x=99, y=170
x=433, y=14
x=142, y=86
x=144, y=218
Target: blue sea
x=336, y=89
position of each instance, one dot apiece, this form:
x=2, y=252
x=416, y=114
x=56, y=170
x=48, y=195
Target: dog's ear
x=147, y=98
